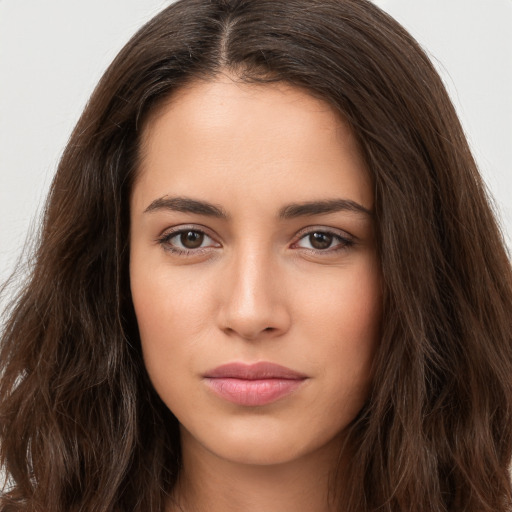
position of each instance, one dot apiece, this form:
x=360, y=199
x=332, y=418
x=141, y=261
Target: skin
x=258, y=287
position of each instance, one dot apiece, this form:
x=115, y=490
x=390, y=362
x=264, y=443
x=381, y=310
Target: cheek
x=171, y=314
x=165, y=300
x=344, y=325
x=346, y=306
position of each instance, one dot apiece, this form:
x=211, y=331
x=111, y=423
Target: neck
x=210, y=483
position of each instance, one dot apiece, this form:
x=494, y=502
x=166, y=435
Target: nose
x=255, y=302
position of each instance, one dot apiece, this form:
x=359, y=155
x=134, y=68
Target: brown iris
x=191, y=239
x=320, y=240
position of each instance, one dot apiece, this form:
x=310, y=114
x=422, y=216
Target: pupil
x=320, y=240
x=192, y=239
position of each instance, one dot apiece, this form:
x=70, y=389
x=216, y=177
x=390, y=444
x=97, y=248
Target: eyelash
x=344, y=241
x=341, y=242
x=166, y=238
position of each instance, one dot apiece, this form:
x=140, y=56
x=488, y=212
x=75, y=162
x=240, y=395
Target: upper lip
x=256, y=371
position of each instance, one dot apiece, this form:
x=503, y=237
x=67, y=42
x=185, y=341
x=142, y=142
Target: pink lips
x=256, y=384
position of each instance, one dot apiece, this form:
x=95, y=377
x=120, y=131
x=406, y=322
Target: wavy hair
x=81, y=428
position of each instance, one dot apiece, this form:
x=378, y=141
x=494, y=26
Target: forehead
x=222, y=135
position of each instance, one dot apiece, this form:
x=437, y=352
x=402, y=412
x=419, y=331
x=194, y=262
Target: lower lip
x=252, y=392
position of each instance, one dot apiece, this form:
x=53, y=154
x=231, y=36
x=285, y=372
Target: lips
x=253, y=385
x=262, y=370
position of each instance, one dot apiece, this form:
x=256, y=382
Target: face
x=253, y=269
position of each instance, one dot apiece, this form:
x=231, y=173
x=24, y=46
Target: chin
x=263, y=444
x=258, y=454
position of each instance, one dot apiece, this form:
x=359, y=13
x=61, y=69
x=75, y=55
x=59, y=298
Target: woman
x=268, y=279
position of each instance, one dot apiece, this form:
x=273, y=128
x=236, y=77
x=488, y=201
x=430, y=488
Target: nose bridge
x=252, y=285
x=253, y=301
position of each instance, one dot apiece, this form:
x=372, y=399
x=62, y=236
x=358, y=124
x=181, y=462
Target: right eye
x=186, y=241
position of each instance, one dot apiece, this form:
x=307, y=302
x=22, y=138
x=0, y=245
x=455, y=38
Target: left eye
x=322, y=241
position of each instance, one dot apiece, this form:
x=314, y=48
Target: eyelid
x=346, y=239
x=169, y=233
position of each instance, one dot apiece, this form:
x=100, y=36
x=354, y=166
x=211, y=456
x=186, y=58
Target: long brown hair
x=81, y=427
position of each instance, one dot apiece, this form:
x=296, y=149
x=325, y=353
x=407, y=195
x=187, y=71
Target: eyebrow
x=311, y=208
x=290, y=211
x=187, y=205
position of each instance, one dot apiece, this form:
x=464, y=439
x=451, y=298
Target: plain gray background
x=53, y=52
